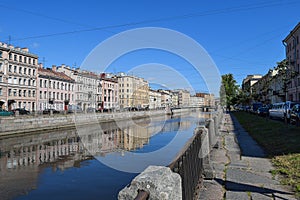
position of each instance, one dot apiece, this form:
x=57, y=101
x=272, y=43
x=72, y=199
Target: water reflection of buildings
x=22, y=158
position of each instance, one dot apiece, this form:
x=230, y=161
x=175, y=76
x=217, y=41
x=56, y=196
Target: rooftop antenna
x=44, y=62
x=9, y=40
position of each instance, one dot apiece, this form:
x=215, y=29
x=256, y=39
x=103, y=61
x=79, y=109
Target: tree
x=228, y=91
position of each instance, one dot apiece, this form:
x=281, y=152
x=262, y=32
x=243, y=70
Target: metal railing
x=189, y=166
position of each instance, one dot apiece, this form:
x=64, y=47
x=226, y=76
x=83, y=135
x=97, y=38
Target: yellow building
x=133, y=91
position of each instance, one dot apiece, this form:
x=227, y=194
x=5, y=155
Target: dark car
x=5, y=112
x=295, y=115
x=21, y=111
x=47, y=111
x=263, y=111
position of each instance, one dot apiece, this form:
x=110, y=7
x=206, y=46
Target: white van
x=282, y=110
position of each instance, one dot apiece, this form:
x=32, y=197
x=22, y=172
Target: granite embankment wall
x=26, y=124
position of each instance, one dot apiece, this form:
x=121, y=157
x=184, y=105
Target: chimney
x=41, y=65
x=25, y=49
x=54, y=68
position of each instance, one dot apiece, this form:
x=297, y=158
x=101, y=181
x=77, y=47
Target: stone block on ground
x=160, y=182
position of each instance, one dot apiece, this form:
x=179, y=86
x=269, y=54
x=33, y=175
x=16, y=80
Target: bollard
x=211, y=133
x=204, y=154
x=216, y=125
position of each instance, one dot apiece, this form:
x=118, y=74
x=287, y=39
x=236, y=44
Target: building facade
x=133, y=91
x=196, y=101
x=292, y=48
x=154, y=99
x=110, y=96
x=18, y=78
x=183, y=98
x=87, y=87
x=55, y=89
x=249, y=81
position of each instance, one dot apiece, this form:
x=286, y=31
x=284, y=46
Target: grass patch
x=280, y=141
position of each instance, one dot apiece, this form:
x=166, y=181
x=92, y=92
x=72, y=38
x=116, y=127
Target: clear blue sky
x=242, y=37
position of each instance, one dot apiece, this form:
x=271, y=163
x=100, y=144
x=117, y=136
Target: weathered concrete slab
x=211, y=190
x=233, y=195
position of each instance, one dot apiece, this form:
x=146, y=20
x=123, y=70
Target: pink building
x=55, y=89
x=292, y=48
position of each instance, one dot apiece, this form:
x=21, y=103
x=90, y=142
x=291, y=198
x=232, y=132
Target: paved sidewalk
x=241, y=169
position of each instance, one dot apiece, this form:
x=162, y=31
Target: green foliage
x=229, y=90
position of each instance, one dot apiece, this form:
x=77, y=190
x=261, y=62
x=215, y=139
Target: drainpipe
x=285, y=84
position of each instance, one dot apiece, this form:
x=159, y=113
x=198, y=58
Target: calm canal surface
x=89, y=162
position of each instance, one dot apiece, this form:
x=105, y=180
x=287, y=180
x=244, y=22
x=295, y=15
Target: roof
x=49, y=73
x=292, y=32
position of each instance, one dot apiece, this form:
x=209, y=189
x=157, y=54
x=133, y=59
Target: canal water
x=92, y=162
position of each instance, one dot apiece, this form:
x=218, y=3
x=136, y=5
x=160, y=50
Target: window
x=62, y=86
x=9, y=56
x=1, y=89
x=53, y=84
x=33, y=71
x=53, y=94
x=0, y=54
x=33, y=62
x=19, y=104
x=49, y=95
x=25, y=70
x=61, y=96
x=9, y=80
x=33, y=93
x=20, y=70
x=15, y=69
x=45, y=83
x=29, y=93
x=45, y=95
x=65, y=96
x=29, y=71
x=15, y=93
x=15, y=57
x=15, y=81
x=41, y=95
x=25, y=59
x=20, y=93
x=20, y=81
x=29, y=82
x=29, y=60
x=24, y=82
x=1, y=66
x=41, y=83
x=10, y=68
x=0, y=78
x=24, y=93
x=57, y=95
x=20, y=58
x=9, y=92
x=57, y=85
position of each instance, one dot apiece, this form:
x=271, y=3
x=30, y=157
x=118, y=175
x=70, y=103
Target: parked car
x=295, y=115
x=263, y=111
x=47, y=111
x=255, y=107
x=90, y=110
x=74, y=108
x=5, y=112
x=282, y=110
x=21, y=111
